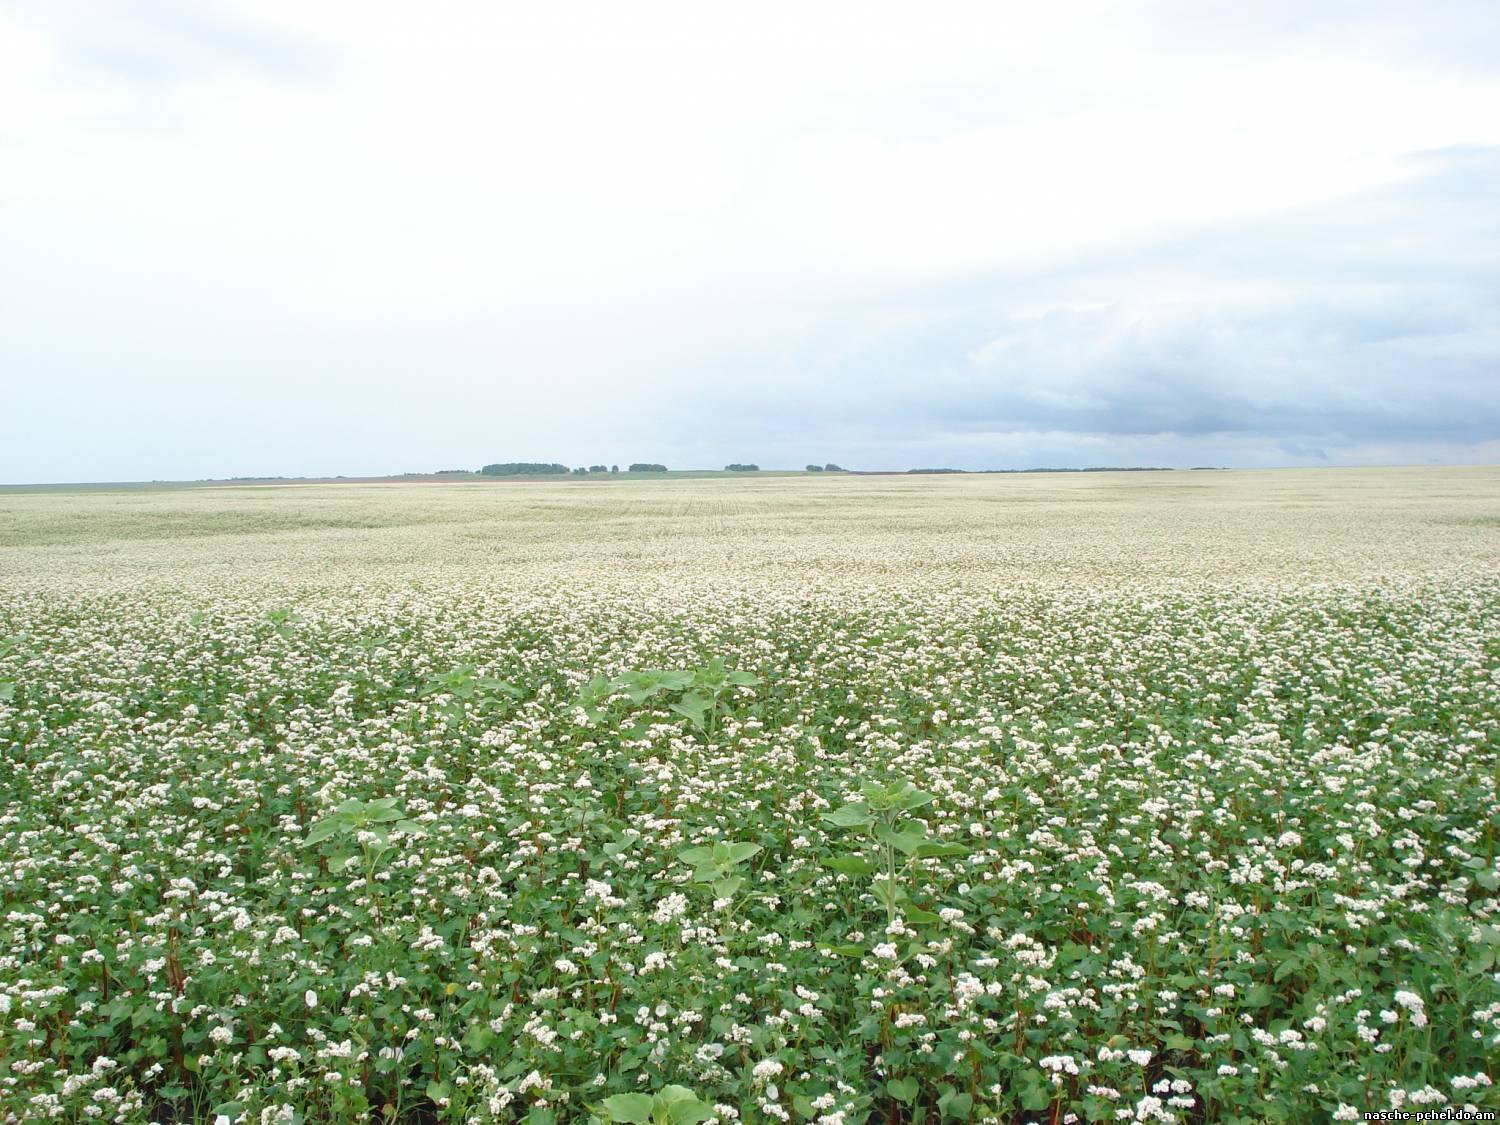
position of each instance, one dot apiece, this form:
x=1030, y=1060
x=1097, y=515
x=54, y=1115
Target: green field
x=1044, y=798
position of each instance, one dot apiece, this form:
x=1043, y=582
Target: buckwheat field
x=1053, y=798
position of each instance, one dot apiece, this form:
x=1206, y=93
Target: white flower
x=766, y=1069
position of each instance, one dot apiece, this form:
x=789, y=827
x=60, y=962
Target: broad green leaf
x=489, y=683
x=845, y=950
x=849, y=865
x=936, y=850
x=689, y=1111
x=696, y=856
x=903, y=1089
x=906, y=842
x=956, y=1104
x=738, y=853
x=1035, y=1098
x=693, y=707
x=325, y=828
x=634, y=1108
x=856, y=815
x=1257, y=996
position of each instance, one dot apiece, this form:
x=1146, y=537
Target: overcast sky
x=285, y=238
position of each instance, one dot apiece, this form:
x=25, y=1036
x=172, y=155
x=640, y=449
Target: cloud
x=1371, y=323
x=155, y=43
x=270, y=236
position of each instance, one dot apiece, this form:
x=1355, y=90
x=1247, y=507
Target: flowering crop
x=804, y=801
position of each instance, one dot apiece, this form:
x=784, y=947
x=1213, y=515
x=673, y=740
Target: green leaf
x=635, y=1108
x=845, y=950
x=849, y=865
x=1257, y=996
x=478, y=1038
x=1489, y=880
x=906, y=841
x=856, y=815
x=693, y=708
x=1035, y=1098
x=697, y=857
x=728, y=888
x=956, y=1104
x=683, y=1106
x=902, y=1089
x=7, y=690
x=919, y=916
x=689, y=1113
x=934, y=850
x=328, y=826
x=912, y=798
x=738, y=853
x=489, y=683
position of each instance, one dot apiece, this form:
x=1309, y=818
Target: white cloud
x=555, y=213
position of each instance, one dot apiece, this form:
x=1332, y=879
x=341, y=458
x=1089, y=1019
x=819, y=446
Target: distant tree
x=742, y=468
x=598, y=469
x=614, y=468
x=454, y=472
x=815, y=468
x=580, y=472
x=523, y=469
x=832, y=468
x=644, y=467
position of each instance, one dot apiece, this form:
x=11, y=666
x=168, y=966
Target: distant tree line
x=828, y=468
x=554, y=469
x=737, y=468
x=523, y=469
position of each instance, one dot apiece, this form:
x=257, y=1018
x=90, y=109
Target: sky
x=267, y=237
